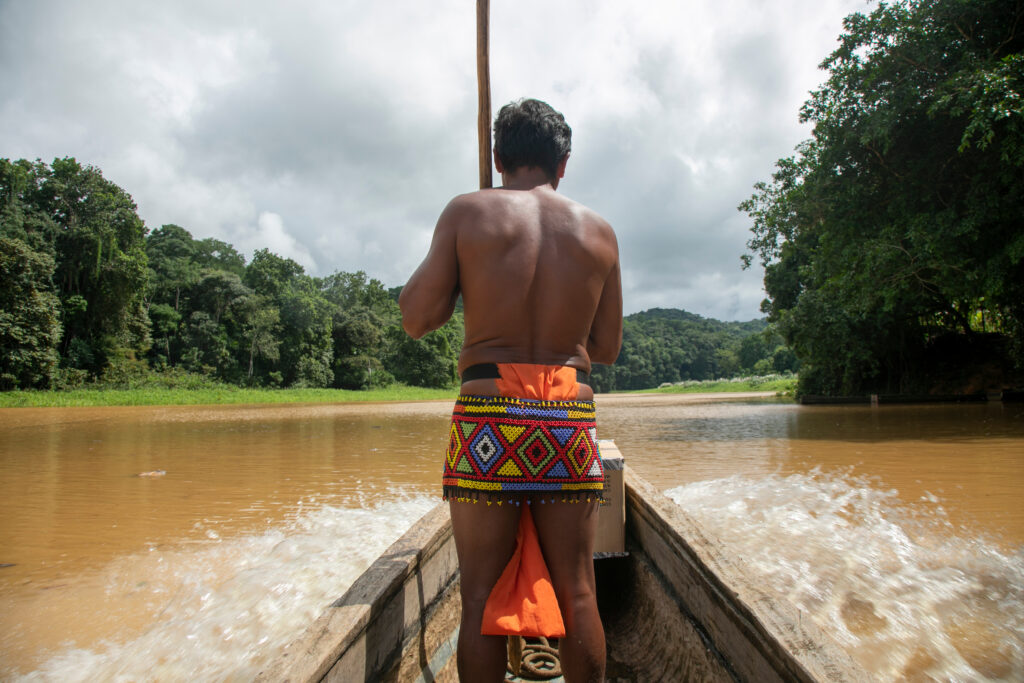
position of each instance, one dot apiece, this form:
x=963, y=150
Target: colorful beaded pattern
x=498, y=444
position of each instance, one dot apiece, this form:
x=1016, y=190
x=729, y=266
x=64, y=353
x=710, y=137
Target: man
x=540, y=284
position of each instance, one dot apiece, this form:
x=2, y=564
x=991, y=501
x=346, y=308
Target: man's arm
x=606, y=331
x=428, y=299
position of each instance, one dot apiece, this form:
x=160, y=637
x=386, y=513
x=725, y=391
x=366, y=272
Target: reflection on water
x=261, y=518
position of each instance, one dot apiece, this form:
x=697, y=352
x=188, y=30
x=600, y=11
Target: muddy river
x=898, y=528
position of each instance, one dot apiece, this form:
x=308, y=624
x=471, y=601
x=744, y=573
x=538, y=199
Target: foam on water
x=224, y=608
x=907, y=594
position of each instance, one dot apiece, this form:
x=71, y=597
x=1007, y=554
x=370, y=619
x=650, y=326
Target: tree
x=269, y=274
x=670, y=345
x=29, y=327
x=359, y=345
x=214, y=254
x=21, y=214
x=430, y=361
x=217, y=291
x=352, y=290
x=90, y=229
x=259, y=329
x=100, y=259
x=898, y=223
x=751, y=350
x=307, y=354
x=363, y=312
x=206, y=346
x=173, y=266
x=166, y=321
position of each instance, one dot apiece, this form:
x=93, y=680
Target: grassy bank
x=780, y=384
x=222, y=394
x=206, y=392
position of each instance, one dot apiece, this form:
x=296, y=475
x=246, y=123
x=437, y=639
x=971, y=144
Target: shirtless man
x=539, y=278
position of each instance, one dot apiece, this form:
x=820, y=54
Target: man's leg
x=566, y=532
x=485, y=538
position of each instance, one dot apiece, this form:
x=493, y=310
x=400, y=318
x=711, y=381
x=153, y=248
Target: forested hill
x=89, y=294
x=670, y=345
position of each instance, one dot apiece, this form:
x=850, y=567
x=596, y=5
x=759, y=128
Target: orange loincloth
x=523, y=600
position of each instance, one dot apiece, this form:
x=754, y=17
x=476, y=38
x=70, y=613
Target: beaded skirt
x=503, y=448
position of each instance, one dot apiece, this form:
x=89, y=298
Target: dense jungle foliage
x=669, y=345
x=893, y=241
x=88, y=294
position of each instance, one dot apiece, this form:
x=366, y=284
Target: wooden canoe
x=678, y=607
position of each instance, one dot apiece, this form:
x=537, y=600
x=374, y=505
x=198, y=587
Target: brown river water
x=899, y=529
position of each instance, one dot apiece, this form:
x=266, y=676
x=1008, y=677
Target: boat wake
x=908, y=595
x=223, y=608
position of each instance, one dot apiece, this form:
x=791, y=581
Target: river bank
x=225, y=394
x=219, y=395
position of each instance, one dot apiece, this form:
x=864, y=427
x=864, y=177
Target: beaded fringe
x=461, y=495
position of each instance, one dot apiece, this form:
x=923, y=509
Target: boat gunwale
x=754, y=636
x=325, y=642
x=794, y=648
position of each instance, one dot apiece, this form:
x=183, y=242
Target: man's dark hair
x=531, y=133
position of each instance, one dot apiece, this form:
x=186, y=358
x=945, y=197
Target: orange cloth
x=523, y=600
x=538, y=382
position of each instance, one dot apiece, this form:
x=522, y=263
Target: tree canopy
x=88, y=293
x=894, y=237
x=669, y=345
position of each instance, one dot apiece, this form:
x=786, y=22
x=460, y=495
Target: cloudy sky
x=334, y=131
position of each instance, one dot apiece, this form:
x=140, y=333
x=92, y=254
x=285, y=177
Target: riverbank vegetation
x=89, y=296
x=669, y=345
x=199, y=390
x=892, y=241
x=220, y=394
x=781, y=384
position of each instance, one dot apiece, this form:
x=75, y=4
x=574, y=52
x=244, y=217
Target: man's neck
x=527, y=178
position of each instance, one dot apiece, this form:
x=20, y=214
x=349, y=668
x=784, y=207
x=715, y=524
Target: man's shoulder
x=471, y=203
x=477, y=208
x=478, y=197
x=463, y=209
x=590, y=218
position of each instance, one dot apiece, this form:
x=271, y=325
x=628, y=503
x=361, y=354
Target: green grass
x=219, y=394
x=194, y=390
x=778, y=383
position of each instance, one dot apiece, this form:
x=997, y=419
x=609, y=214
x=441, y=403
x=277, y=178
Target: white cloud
x=271, y=234
x=353, y=123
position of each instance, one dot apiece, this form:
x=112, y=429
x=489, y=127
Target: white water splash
x=908, y=595
x=225, y=608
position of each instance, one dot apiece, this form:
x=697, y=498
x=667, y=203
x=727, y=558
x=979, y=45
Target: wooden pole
x=483, y=83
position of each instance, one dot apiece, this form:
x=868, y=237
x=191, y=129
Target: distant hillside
x=671, y=345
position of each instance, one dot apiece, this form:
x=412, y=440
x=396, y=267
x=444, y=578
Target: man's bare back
x=539, y=278
x=538, y=273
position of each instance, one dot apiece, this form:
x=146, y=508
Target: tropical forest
x=91, y=297
x=892, y=244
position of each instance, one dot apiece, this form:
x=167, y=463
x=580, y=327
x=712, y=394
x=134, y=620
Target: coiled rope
x=534, y=659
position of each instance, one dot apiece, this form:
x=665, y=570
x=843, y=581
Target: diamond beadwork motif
x=523, y=446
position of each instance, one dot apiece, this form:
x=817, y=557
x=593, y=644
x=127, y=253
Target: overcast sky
x=333, y=132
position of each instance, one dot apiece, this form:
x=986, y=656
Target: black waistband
x=490, y=371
